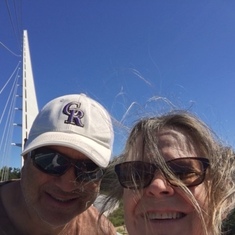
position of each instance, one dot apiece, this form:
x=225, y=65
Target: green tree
x=117, y=217
x=8, y=173
x=229, y=224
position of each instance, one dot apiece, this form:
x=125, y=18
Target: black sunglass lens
x=51, y=163
x=189, y=171
x=87, y=166
x=135, y=175
x=89, y=176
x=88, y=171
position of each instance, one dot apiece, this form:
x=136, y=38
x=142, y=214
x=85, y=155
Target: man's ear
x=25, y=157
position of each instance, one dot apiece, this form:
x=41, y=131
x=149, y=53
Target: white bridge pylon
x=29, y=98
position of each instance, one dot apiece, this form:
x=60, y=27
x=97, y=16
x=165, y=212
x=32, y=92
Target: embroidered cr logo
x=74, y=113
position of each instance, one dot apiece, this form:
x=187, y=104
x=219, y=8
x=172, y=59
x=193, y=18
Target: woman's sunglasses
x=53, y=163
x=138, y=174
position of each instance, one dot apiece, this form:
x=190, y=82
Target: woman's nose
x=159, y=186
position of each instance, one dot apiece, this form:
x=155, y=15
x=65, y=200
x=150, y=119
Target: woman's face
x=160, y=208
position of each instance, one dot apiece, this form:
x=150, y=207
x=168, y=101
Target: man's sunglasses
x=138, y=174
x=53, y=163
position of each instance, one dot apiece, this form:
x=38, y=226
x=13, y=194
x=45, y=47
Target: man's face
x=57, y=199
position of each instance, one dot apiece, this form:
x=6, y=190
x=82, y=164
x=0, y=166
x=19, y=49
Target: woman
x=175, y=177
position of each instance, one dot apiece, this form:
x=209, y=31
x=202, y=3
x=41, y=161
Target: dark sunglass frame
x=85, y=170
x=130, y=178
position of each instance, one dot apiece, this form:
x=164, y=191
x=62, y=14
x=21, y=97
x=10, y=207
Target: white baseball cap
x=75, y=121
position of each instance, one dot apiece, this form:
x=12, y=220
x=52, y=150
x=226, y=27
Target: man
x=69, y=143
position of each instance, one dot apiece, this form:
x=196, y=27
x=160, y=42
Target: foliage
x=122, y=230
x=8, y=173
x=229, y=224
x=117, y=217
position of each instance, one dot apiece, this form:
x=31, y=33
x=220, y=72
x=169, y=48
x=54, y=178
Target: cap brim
x=98, y=153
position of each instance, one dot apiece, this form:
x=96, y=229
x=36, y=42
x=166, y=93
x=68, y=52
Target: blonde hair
x=219, y=182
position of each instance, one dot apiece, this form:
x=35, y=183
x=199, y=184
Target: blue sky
x=135, y=57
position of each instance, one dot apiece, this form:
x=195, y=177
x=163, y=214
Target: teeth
x=62, y=199
x=171, y=215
